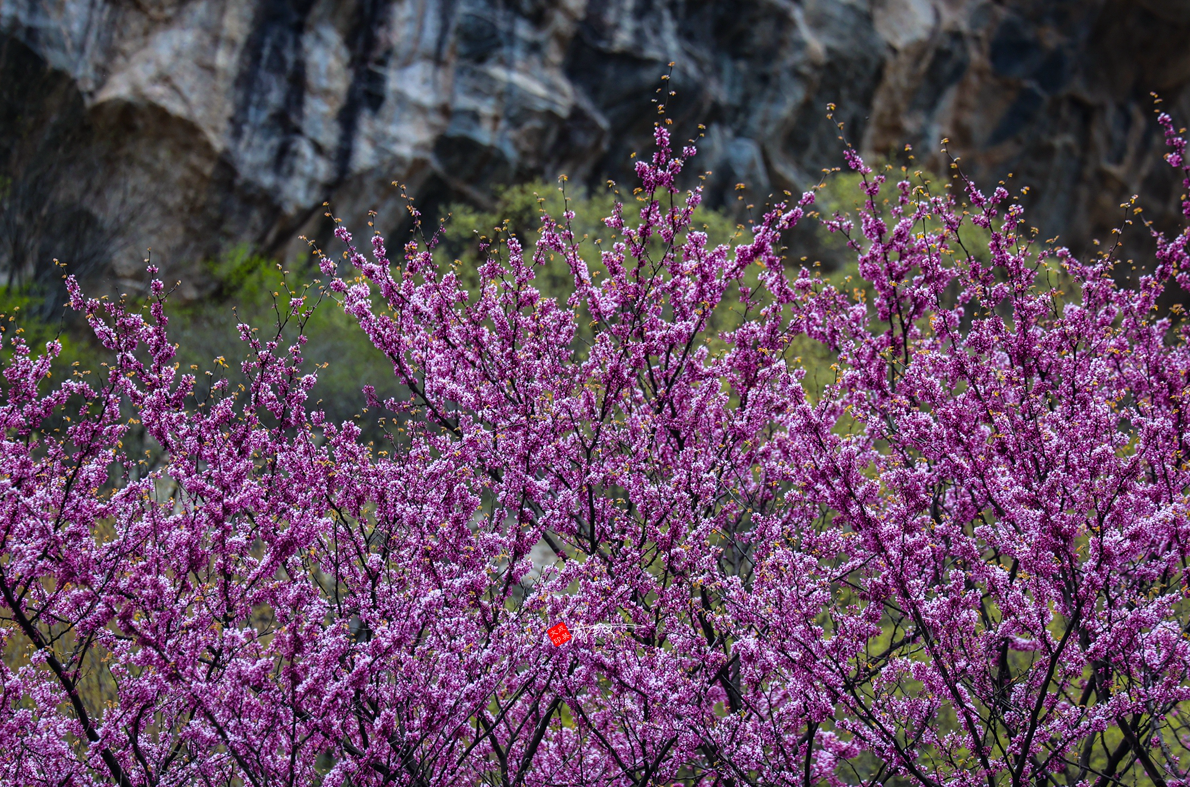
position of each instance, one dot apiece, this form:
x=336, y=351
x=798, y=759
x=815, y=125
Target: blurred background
x=212, y=131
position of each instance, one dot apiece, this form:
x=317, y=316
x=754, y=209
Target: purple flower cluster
x=963, y=562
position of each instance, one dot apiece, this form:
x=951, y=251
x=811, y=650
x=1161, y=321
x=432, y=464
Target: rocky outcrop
x=227, y=122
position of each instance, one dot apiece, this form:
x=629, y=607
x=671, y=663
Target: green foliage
x=257, y=291
x=18, y=317
x=842, y=193
x=517, y=211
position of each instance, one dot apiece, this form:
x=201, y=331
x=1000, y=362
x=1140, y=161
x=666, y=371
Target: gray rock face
x=231, y=121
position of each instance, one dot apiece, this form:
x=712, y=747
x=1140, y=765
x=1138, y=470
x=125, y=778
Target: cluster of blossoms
x=962, y=561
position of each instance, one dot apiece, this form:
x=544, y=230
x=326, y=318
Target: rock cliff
x=194, y=125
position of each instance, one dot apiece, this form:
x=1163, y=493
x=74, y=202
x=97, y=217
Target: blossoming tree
x=961, y=561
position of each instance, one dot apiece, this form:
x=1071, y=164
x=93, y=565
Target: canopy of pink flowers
x=961, y=562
